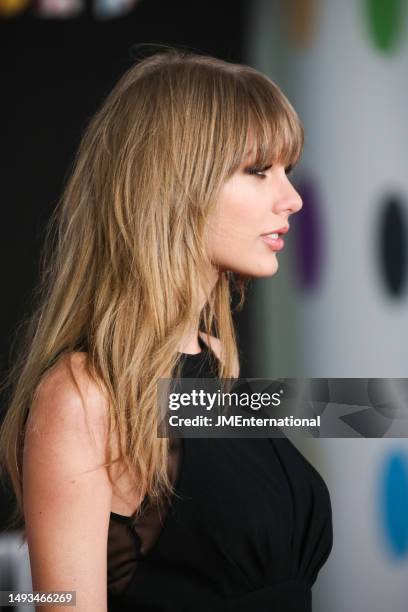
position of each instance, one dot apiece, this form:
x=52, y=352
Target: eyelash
x=259, y=171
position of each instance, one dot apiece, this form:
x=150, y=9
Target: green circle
x=385, y=18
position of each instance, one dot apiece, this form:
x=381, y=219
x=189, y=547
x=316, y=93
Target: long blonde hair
x=127, y=243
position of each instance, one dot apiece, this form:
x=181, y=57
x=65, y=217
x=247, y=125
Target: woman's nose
x=297, y=202
x=289, y=201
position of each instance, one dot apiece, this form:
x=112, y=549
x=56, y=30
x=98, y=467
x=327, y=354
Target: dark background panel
x=54, y=74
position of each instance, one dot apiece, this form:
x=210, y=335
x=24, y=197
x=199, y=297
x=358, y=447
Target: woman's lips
x=276, y=244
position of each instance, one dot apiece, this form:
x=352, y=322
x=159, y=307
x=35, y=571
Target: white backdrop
x=351, y=96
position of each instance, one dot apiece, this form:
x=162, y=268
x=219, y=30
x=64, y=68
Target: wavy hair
x=127, y=243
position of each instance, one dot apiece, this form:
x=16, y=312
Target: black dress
x=249, y=529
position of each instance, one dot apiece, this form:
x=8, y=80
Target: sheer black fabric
x=249, y=529
x=127, y=545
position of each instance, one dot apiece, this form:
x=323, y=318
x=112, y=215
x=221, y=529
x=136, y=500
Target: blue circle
x=394, y=496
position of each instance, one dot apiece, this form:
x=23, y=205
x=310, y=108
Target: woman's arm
x=67, y=498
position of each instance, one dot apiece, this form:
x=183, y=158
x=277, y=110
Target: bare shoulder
x=68, y=402
x=69, y=373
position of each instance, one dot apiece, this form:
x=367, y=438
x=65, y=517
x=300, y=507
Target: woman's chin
x=264, y=269
x=269, y=268
x=259, y=268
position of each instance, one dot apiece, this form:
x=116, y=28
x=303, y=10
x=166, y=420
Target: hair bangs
x=276, y=132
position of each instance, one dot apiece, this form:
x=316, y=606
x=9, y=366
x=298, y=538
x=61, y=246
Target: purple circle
x=308, y=236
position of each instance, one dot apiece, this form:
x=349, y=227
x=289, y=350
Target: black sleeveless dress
x=248, y=530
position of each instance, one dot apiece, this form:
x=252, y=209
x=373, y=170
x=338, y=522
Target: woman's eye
x=259, y=171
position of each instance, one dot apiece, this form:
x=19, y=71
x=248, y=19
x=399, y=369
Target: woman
x=179, y=189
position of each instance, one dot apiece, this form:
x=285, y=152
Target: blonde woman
x=179, y=189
